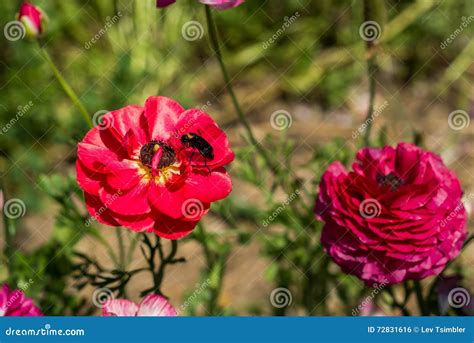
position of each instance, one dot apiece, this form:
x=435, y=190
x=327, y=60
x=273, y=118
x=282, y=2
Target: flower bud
x=34, y=20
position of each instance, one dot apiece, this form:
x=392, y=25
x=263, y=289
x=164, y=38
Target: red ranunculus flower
x=154, y=169
x=33, y=19
x=398, y=215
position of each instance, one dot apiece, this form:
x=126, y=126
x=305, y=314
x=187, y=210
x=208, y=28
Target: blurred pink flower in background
x=397, y=216
x=15, y=303
x=33, y=19
x=152, y=305
x=219, y=4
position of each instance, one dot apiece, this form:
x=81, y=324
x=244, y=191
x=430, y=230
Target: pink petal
x=120, y=308
x=155, y=305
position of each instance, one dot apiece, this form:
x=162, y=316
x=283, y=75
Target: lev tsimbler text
x=416, y=329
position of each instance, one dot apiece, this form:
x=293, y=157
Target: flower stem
x=10, y=232
x=214, y=40
x=419, y=297
x=371, y=71
x=66, y=87
x=118, y=232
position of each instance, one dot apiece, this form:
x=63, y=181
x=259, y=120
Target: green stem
x=10, y=232
x=419, y=297
x=66, y=87
x=371, y=71
x=119, y=234
x=228, y=84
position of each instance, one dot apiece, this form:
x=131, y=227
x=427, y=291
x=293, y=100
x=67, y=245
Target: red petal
x=133, y=202
x=208, y=187
x=140, y=223
x=162, y=115
x=95, y=157
x=98, y=210
x=170, y=228
x=123, y=175
x=87, y=179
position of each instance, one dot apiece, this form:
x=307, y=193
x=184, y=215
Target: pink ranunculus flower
x=397, y=216
x=15, y=303
x=219, y=4
x=33, y=19
x=152, y=305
